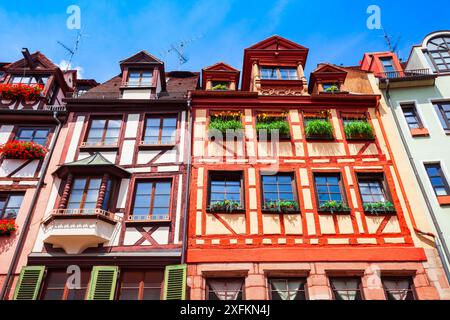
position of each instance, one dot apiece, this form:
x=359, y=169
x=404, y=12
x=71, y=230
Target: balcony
x=406, y=78
x=75, y=230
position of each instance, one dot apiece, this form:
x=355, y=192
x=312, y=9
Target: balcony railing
x=84, y=212
x=54, y=108
x=155, y=217
x=417, y=73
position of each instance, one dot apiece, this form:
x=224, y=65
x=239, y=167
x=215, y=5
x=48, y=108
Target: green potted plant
x=333, y=206
x=225, y=205
x=358, y=129
x=281, y=206
x=318, y=129
x=332, y=89
x=226, y=121
x=379, y=207
x=220, y=87
x=274, y=124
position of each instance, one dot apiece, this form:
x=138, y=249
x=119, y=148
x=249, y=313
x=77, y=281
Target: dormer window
x=277, y=73
x=220, y=85
x=140, y=78
x=16, y=79
x=388, y=64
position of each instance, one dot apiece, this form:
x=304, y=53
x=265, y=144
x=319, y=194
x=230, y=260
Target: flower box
x=319, y=129
x=334, y=207
x=7, y=226
x=225, y=121
x=358, y=130
x=225, y=206
x=281, y=206
x=269, y=122
x=22, y=150
x=379, y=207
x=11, y=91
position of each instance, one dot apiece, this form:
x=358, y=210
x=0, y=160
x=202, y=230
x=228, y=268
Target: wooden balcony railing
x=417, y=73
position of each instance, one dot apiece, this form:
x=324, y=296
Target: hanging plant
x=22, y=150
x=281, y=206
x=7, y=226
x=334, y=206
x=379, y=207
x=319, y=128
x=226, y=205
x=10, y=91
x=358, y=129
x=226, y=120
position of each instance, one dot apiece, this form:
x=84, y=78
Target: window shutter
x=175, y=282
x=103, y=283
x=29, y=283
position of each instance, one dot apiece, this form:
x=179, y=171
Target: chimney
x=27, y=56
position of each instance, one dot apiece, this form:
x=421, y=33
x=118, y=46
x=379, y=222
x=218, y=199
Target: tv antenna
x=73, y=50
x=392, y=48
x=179, y=50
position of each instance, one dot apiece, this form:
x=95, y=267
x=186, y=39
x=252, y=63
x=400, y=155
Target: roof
x=276, y=42
x=92, y=162
x=178, y=83
x=142, y=57
x=39, y=59
x=221, y=66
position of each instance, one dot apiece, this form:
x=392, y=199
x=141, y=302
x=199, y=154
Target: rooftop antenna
x=72, y=51
x=392, y=48
x=179, y=50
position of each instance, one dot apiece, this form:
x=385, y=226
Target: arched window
x=439, y=51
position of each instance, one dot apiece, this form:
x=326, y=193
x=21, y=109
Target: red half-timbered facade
x=315, y=211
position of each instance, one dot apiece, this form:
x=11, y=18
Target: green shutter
x=103, y=283
x=175, y=282
x=29, y=283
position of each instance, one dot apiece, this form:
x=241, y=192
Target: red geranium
x=22, y=150
x=7, y=226
x=10, y=91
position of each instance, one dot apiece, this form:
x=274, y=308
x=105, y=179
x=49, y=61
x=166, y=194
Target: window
x=84, y=193
x=346, y=288
x=278, y=188
x=224, y=289
x=437, y=179
x=372, y=189
x=29, y=79
x=411, y=116
x=140, y=78
x=141, y=285
x=225, y=186
x=220, y=85
x=57, y=288
x=331, y=86
x=388, y=64
x=160, y=130
x=10, y=204
x=328, y=187
x=104, y=132
x=151, y=200
x=277, y=73
x=401, y=288
x=443, y=112
x=439, y=51
x=287, y=289
x=36, y=135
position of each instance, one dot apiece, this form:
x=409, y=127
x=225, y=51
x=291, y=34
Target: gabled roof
x=326, y=71
x=96, y=163
x=142, y=57
x=39, y=59
x=220, y=66
x=328, y=68
x=276, y=42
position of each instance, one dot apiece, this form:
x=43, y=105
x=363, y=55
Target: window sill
x=275, y=211
x=444, y=200
x=240, y=210
x=420, y=132
x=99, y=147
x=320, y=138
x=144, y=146
x=379, y=212
x=147, y=222
x=356, y=139
x=334, y=212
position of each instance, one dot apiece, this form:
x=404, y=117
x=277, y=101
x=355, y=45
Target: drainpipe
x=443, y=251
x=30, y=212
x=188, y=180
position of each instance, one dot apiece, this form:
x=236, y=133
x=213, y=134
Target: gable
x=276, y=43
x=220, y=66
x=327, y=68
x=40, y=62
x=141, y=57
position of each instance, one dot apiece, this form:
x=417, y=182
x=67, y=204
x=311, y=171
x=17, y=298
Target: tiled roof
x=177, y=83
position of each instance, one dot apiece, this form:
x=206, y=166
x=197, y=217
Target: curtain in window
x=346, y=289
x=398, y=289
x=226, y=290
x=287, y=290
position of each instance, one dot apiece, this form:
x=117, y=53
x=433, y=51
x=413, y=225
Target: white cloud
x=65, y=65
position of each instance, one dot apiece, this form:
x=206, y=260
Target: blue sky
x=334, y=31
